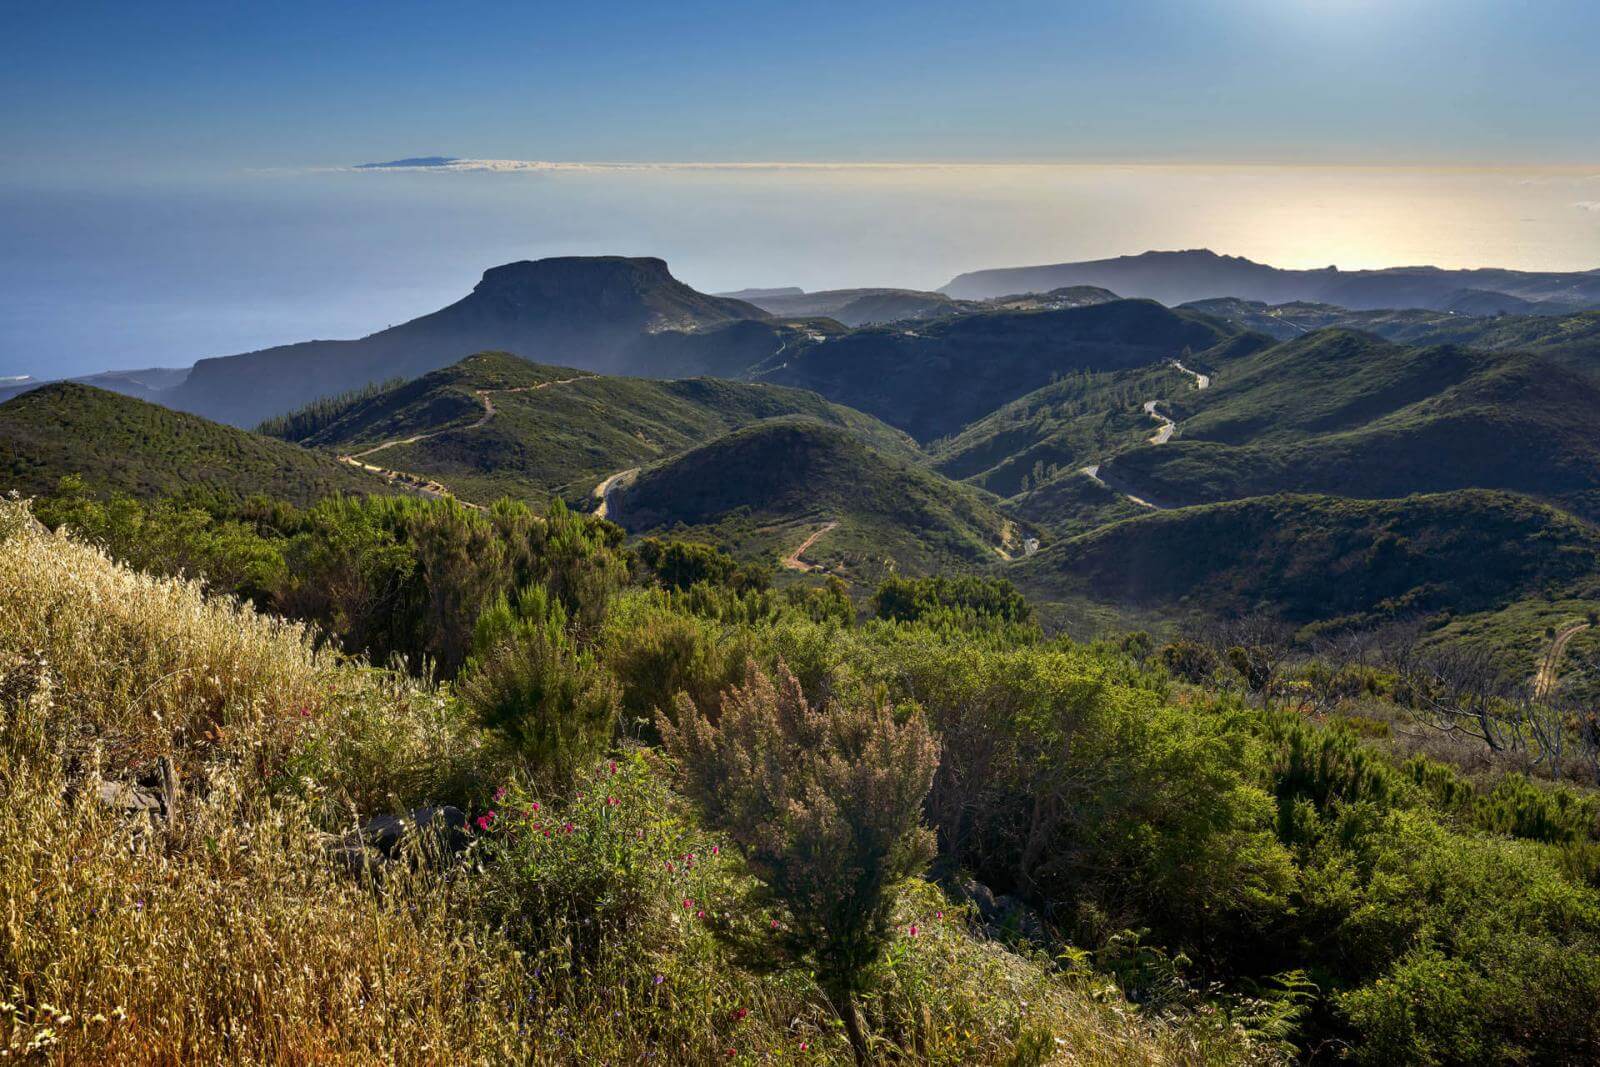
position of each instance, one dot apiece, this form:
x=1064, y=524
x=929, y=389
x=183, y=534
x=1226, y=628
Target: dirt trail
x=793, y=561
x=603, y=491
x=1550, y=666
x=484, y=398
x=428, y=486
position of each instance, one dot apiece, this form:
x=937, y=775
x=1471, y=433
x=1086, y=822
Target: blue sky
x=174, y=180
x=166, y=87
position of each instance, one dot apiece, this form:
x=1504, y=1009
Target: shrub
x=914, y=599
x=1189, y=660
x=656, y=654
x=825, y=804
x=553, y=703
x=681, y=564
x=1067, y=784
x=829, y=602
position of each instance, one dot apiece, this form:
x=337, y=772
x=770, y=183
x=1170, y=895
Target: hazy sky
x=169, y=185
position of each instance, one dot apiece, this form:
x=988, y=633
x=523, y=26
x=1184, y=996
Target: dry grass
x=227, y=937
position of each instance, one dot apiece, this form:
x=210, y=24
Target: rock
x=351, y=854
x=979, y=895
x=130, y=799
x=1017, y=919
x=444, y=827
x=1003, y=916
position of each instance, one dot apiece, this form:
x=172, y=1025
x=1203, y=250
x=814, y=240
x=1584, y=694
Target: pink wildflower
x=913, y=930
x=499, y=794
x=569, y=827
x=716, y=849
x=535, y=805
x=688, y=902
x=774, y=924
x=612, y=802
x=700, y=914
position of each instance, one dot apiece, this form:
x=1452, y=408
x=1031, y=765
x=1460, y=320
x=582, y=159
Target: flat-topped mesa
x=583, y=310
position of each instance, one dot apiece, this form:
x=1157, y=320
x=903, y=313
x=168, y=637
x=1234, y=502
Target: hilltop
x=1352, y=415
x=935, y=379
x=767, y=487
x=119, y=443
x=860, y=307
x=1312, y=558
x=495, y=424
x=584, y=310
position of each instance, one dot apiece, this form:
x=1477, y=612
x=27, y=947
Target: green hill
x=1082, y=419
x=1285, y=322
x=933, y=380
x=859, y=307
x=1573, y=340
x=1317, y=558
x=118, y=443
x=1351, y=415
x=495, y=425
x=765, y=488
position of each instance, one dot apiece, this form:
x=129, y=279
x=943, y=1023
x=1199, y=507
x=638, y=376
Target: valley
x=887, y=535
x=1274, y=562
x=1071, y=412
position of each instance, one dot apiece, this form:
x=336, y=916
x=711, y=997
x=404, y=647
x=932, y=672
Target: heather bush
x=1069, y=780
x=824, y=803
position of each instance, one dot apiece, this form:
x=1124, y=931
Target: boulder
x=436, y=835
x=444, y=827
x=130, y=799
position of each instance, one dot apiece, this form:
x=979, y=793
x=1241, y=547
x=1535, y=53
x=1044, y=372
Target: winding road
x=1160, y=437
x=603, y=491
x=793, y=561
x=1544, y=680
x=428, y=486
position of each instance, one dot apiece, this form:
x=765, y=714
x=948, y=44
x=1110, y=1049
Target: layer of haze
x=143, y=277
x=167, y=189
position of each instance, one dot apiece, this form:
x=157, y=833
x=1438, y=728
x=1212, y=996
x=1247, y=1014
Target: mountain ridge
x=1179, y=277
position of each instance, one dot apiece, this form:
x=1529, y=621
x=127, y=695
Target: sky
x=175, y=178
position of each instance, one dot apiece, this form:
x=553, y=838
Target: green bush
x=969, y=596
x=552, y=702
